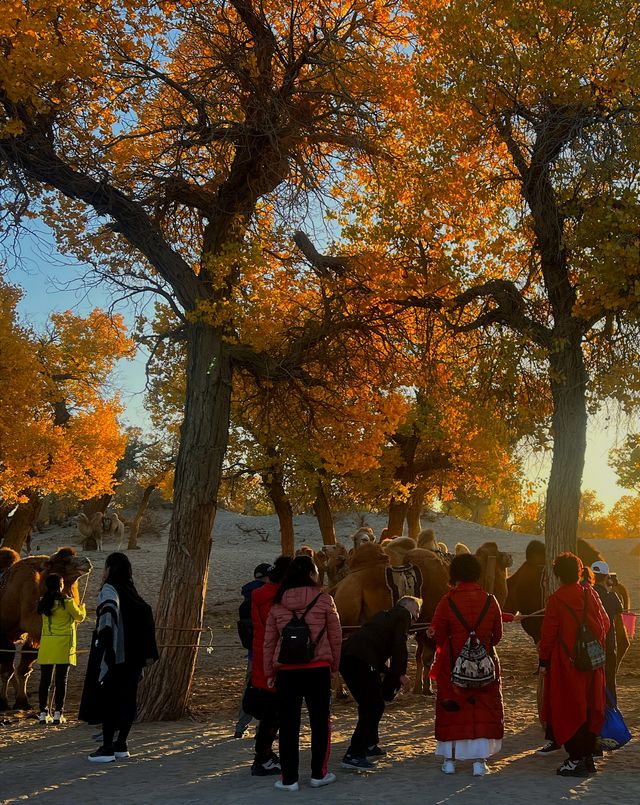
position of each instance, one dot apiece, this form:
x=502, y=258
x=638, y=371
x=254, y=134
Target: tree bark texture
x=203, y=442
x=23, y=520
x=569, y=423
x=137, y=519
x=322, y=511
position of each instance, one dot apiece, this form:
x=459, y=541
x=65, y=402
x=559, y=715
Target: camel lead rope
x=86, y=585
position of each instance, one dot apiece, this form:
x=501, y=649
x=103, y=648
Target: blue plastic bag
x=615, y=732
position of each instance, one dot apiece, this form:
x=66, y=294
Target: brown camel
x=21, y=588
x=8, y=557
x=494, y=564
x=526, y=591
x=332, y=563
x=99, y=525
x=362, y=535
x=371, y=587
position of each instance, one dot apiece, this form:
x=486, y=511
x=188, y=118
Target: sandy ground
x=197, y=761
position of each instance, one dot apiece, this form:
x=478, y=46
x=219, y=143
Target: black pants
x=60, y=682
x=314, y=686
x=610, y=674
x=581, y=744
x=365, y=684
x=267, y=729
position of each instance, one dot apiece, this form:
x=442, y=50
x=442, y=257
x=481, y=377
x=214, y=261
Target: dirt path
x=198, y=763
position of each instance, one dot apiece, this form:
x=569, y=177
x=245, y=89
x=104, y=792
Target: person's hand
x=431, y=632
x=542, y=669
x=271, y=682
x=406, y=683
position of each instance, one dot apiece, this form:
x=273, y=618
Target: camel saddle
x=403, y=580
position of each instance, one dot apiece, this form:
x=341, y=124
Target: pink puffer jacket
x=322, y=612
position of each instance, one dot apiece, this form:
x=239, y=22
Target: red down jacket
x=261, y=601
x=464, y=714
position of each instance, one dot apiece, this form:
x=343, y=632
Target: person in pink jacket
x=299, y=595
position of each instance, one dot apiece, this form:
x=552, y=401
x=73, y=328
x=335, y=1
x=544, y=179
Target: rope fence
x=211, y=646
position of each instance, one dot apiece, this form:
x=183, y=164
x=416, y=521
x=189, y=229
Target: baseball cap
x=261, y=570
x=600, y=567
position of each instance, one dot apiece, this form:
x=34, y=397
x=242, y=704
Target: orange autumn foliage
x=59, y=431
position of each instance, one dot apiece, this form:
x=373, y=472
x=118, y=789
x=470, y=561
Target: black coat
x=382, y=638
x=115, y=696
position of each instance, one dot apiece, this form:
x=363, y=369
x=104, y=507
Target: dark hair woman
x=300, y=596
x=574, y=701
x=60, y=613
x=123, y=644
x=464, y=568
x=469, y=723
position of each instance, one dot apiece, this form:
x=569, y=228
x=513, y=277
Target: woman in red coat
x=265, y=762
x=574, y=701
x=469, y=722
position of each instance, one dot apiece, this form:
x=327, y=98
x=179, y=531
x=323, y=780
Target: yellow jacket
x=58, y=641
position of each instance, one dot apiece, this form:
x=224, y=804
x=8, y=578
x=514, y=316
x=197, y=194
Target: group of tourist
x=466, y=627
x=122, y=645
x=297, y=649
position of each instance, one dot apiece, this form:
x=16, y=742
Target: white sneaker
x=282, y=787
x=326, y=780
x=479, y=768
x=44, y=718
x=449, y=766
x=58, y=718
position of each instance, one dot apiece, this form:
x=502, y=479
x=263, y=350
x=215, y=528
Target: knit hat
x=601, y=568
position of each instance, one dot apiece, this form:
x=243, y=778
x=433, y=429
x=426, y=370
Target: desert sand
x=196, y=761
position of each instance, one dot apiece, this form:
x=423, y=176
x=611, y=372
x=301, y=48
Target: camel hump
x=8, y=557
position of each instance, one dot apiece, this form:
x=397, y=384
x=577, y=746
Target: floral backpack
x=474, y=667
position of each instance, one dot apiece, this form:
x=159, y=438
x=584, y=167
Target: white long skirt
x=470, y=749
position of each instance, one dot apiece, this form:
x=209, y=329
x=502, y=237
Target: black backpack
x=245, y=624
x=296, y=645
x=473, y=667
x=588, y=653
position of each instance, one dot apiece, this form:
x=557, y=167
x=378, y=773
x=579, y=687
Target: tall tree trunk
x=414, y=511
x=397, y=513
x=273, y=482
x=569, y=423
x=135, y=523
x=23, y=520
x=322, y=511
x=203, y=442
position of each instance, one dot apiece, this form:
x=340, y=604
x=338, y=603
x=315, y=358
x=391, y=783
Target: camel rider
x=371, y=681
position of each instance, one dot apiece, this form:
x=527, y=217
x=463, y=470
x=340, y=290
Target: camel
x=371, y=587
x=332, y=562
x=427, y=539
x=94, y=528
x=362, y=535
x=494, y=564
x=20, y=590
x=8, y=557
x=397, y=548
x=526, y=591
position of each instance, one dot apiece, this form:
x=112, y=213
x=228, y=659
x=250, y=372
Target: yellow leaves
x=42, y=375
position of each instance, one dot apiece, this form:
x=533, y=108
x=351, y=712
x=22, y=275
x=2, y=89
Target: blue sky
x=53, y=282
